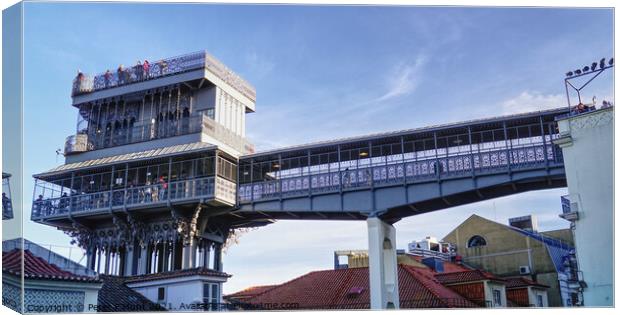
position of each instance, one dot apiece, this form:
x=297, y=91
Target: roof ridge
x=433, y=290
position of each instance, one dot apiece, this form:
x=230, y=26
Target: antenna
x=593, y=71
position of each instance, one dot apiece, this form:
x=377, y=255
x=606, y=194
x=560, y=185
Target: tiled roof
x=465, y=276
x=331, y=289
x=200, y=271
x=448, y=266
x=248, y=293
x=519, y=282
x=37, y=268
x=115, y=296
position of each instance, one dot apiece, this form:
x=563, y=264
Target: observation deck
x=196, y=65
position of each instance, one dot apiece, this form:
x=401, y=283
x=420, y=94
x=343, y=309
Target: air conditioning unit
x=524, y=270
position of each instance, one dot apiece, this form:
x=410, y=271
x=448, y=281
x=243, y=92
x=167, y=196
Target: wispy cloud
x=529, y=101
x=259, y=66
x=404, y=79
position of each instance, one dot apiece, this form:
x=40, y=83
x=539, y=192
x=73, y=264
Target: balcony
x=153, y=130
x=220, y=190
x=77, y=144
x=165, y=67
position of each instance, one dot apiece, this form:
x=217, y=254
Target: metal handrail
x=202, y=187
x=421, y=169
x=163, y=67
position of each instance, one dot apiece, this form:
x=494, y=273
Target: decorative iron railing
x=164, y=67
x=205, y=187
x=152, y=130
x=427, y=169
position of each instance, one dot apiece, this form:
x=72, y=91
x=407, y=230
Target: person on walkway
x=146, y=67
x=137, y=69
x=120, y=73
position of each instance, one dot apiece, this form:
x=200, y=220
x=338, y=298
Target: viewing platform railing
x=149, y=130
x=397, y=172
x=161, y=68
x=183, y=190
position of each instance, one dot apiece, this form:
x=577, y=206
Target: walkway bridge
x=399, y=174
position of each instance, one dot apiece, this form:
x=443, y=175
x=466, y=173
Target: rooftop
x=115, y=296
x=349, y=289
x=519, y=282
x=156, y=69
x=200, y=271
x=35, y=267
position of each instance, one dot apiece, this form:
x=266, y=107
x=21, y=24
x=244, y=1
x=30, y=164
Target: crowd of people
x=153, y=191
x=140, y=72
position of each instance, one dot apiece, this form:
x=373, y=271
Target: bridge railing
x=418, y=170
x=132, y=196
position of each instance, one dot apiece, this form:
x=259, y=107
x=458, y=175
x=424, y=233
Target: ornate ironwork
x=164, y=67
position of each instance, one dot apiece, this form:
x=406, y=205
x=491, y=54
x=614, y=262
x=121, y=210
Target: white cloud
x=258, y=65
x=404, y=80
x=529, y=101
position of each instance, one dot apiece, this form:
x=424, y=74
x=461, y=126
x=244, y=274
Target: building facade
x=150, y=175
x=508, y=251
x=59, y=287
x=587, y=144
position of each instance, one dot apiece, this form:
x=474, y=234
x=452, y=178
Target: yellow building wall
x=506, y=251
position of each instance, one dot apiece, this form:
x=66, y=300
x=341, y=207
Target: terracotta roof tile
x=466, y=276
x=519, y=282
x=37, y=268
x=248, y=293
x=331, y=289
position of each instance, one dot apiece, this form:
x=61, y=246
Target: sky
x=322, y=72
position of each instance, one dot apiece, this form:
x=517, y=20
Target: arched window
x=476, y=241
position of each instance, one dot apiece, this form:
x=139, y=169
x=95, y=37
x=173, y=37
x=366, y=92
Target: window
x=211, y=295
x=476, y=241
x=497, y=297
x=161, y=294
x=539, y=300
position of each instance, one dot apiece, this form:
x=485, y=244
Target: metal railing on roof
x=161, y=68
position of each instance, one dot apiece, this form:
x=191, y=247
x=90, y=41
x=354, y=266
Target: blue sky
x=322, y=72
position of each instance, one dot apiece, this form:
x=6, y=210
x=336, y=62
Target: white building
x=587, y=145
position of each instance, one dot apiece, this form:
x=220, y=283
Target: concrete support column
x=128, y=261
x=189, y=255
x=98, y=256
x=160, y=257
x=207, y=254
x=166, y=252
x=144, y=261
x=91, y=258
x=107, y=262
x=383, y=266
x=217, y=258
